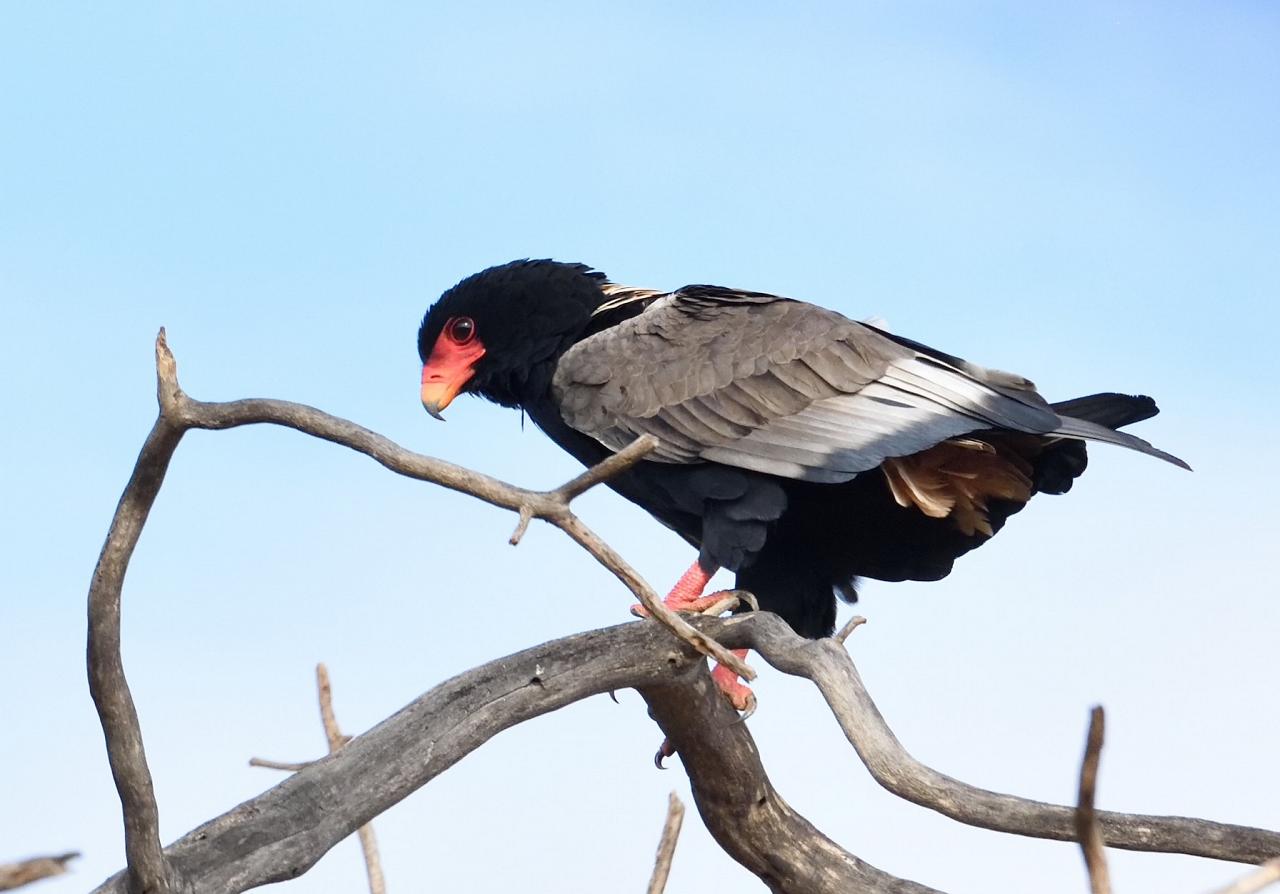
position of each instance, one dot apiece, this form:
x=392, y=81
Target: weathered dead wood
x=666, y=845
x=1095, y=854
x=1265, y=875
x=24, y=872
x=282, y=832
x=829, y=666
x=740, y=807
x=179, y=413
x=334, y=737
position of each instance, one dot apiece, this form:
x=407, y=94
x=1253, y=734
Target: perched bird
x=798, y=448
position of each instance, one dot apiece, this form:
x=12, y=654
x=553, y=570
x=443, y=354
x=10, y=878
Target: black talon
x=665, y=750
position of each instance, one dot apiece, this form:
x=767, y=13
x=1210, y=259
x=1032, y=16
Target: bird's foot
x=665, y=750
x=738, y=693
x=712, y=604
x=686, y=593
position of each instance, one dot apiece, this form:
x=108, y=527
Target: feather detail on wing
x=793, y=390
x=1091, y=431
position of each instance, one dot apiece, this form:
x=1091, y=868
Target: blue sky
x=1086, y=195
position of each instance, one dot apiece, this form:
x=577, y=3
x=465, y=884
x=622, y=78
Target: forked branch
x=282, y=832
x=336, y=739
x=178, y=414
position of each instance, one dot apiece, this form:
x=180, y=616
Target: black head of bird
x=499, y=332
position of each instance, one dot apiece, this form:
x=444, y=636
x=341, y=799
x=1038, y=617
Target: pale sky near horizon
x=1088, y=195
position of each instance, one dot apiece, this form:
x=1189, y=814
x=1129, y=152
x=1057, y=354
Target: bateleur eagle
x=799, y=449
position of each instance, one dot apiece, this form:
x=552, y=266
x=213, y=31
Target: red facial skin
x=451, y=364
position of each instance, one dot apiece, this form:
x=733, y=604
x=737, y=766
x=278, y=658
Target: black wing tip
x=1180, y=463
x=1149, y=450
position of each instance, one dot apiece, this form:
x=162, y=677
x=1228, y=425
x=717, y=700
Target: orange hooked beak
x=449, y=367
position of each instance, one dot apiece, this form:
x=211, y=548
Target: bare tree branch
x=332, y=732
x=282, y=832
x=828, y=665
x=1095, y=857
x=851, y=625
x=667, y=845
x=291, y=767
x=551, y=506
x=1266, y=874
x=178, y=413
x=24, y=872
x=335, y=738
x=279, y=834
x=739, y=805
x=107, y=683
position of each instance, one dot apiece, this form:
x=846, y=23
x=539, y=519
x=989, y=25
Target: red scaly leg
x=739, y=694
x=686, y=596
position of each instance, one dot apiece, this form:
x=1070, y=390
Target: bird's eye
x=461, y=330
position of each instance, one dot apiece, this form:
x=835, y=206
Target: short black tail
x=1109, y=409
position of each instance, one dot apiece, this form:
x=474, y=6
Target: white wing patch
x=914, y=405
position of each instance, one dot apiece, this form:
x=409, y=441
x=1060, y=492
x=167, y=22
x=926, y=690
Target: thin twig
x=24, y=872
x=607, y=556
x=368, y=842
x=522, y=525
x=324, y=689
x=1266, y=874
x=667, y=845
x=853, y=624
x=279, y=765
x=601, y=472
x=336, y=740
x=551, y=506
x=1095, y=855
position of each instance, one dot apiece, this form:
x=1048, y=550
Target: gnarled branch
x=829, y=666
x=179, y=413
x=282, y=832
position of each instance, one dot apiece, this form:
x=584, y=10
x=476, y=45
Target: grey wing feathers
x=785, y=388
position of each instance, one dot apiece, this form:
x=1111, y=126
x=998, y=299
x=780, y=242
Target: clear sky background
x=1089, y=196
